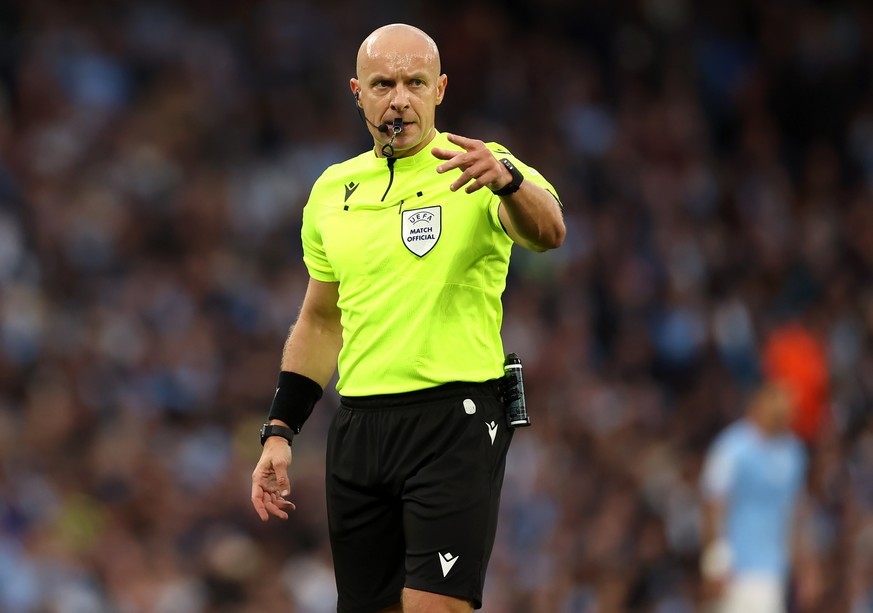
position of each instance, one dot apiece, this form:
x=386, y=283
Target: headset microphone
x=382, y=128
x=396, y=127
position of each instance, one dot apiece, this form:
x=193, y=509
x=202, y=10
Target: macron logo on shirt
x=350, y=189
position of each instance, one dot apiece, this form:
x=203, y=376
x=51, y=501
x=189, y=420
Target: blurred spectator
x=794, y=358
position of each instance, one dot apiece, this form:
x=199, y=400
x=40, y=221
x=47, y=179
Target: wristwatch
x=514, y=185
x=267, y=431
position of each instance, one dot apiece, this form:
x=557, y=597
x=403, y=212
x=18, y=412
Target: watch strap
x=514, y=185
x=268, y=430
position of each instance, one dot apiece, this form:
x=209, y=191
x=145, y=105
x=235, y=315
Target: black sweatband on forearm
x=295, y=397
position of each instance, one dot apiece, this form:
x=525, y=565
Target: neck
x=767, y=427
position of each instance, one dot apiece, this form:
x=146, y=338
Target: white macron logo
x=447, y=561
x=492, y=430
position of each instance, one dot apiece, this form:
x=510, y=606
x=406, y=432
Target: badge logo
x=421, y=229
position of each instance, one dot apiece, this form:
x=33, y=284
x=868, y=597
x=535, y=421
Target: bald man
x=407, y=247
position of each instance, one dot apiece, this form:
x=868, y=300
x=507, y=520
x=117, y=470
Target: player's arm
x=310, y=352
x=531, y=216
x=716, y=557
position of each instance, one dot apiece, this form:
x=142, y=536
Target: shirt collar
x=422, y=158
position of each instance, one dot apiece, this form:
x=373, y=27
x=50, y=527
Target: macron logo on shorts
x=447, y=561
x=492, y=430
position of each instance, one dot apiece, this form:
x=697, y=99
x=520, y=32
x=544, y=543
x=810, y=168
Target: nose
x=400, y=99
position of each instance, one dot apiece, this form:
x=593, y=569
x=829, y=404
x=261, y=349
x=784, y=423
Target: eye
x=417, y=82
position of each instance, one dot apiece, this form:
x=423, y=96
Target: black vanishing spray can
x=513, y=393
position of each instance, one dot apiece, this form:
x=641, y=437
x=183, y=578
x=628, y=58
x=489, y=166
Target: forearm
x=536, y=217
x=712, y=518
x=310, y=350
x=716, y=556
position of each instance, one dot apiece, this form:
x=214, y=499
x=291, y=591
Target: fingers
x=258, y=496
x=459, y=158
x=482, y=174
x=444, y=154
x=270, y=486
x=469, y=175
x=275, y=506
x=267, y=503
x=463, y=141
x=476, y=162
x=282, y=483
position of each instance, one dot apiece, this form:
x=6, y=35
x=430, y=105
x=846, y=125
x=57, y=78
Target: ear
x=356, y=90
x=442, y=81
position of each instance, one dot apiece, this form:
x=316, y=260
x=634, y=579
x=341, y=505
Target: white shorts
x=753, y=594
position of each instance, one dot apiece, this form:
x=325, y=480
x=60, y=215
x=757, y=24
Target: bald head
x=397, y=45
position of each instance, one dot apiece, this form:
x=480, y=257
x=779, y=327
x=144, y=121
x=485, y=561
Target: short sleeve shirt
x=758, y=480
x=420, y=268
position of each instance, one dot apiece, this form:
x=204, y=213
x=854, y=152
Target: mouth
x=405, y=124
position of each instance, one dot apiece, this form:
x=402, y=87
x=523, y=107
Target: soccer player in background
x=407, y=247
x=753, y=485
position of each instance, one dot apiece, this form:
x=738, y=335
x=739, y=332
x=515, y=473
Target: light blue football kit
x=758, y=479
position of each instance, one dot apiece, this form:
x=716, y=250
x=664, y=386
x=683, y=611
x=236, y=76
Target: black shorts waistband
x=447, y=391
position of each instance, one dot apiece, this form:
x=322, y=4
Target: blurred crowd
x=715, y=161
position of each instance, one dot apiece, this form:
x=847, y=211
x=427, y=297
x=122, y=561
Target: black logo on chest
x=350, y=189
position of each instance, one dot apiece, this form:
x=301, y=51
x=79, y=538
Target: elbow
x=554, y=239
x=560, y=235
x=547, y=241
x=543, y=235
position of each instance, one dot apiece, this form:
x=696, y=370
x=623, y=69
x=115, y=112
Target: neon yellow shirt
x=420, y=269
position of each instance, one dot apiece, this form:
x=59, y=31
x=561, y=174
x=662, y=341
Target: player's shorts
x=754, y=593
x=413, y=489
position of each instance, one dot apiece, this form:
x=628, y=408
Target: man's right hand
x=270, y=480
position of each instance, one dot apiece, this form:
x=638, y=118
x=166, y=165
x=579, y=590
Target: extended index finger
x=445, y=154
x=463, y=141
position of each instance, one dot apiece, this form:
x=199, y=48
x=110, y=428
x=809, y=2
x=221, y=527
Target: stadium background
x=716, y=164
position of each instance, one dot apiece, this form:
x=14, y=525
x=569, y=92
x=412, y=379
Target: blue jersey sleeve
x=720, y=468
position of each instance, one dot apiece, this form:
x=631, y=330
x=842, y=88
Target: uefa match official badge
x=421, y=228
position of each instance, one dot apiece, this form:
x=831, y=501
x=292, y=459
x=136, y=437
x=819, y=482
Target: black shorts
x=413, y=489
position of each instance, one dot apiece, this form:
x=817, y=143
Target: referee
x=407, y=256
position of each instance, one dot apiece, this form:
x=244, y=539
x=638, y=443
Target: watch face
x=514, y=185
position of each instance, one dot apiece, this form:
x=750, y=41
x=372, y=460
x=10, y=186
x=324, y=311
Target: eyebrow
x=415, y=75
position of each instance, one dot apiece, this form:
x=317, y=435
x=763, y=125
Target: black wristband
x=514, y=185
x=295, y=397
